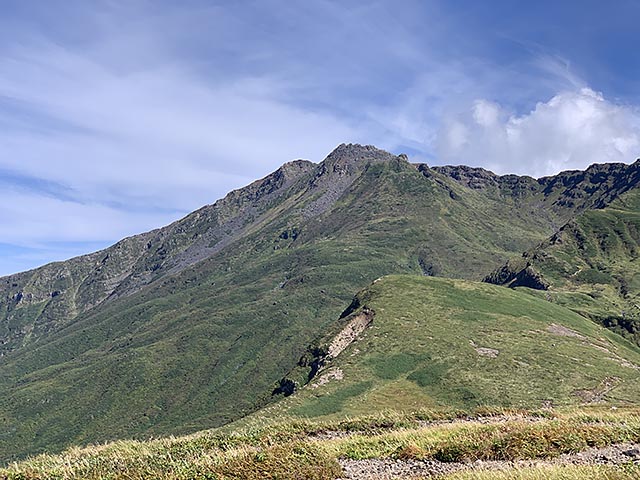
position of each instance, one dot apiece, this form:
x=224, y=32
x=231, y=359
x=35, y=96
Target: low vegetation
x=387, y=403
x=229, y=310
x=314, y=449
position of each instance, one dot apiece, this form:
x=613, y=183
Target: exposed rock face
x=338, y=172
x=518, y=273
x=529, y=278
x=319, y=357
x=350, y=332
x=595, y=187
x=576, y=190
x=346, y=159
x=472, y=177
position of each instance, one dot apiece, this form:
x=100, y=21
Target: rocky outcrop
x=339, y=170
x=358, y=324
x=568, y=193
x=596, y=187
x=517, y=273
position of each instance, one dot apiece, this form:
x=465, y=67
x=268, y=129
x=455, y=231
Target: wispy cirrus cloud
x=117, y=117
x=156, y=132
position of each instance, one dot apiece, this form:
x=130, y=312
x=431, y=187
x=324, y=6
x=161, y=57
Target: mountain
x=193, y=325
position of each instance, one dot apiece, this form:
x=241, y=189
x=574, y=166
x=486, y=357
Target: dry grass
x=310, y=450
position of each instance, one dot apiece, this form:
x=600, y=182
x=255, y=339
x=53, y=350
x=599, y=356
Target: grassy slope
x=205, y=346
x=593, y=265
x=421, y=351
x=414, y=365
x=37, y=303
x=311, y=449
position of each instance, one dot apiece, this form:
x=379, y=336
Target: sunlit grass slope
x=441, y=342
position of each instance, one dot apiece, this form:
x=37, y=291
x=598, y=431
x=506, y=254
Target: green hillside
x=429, y=376
x=435, y=343
x=591, y=265
x=190, y=326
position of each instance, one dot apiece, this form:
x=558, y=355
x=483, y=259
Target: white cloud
x=485, y=113
x=447, y=92
x=571, y=131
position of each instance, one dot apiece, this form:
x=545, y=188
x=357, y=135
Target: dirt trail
x=387, y=469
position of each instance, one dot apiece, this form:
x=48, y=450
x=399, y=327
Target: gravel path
x=388, y=469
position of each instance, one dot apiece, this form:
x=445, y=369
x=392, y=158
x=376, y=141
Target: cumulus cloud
x=570, y=131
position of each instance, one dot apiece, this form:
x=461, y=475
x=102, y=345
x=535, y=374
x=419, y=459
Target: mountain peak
x=346, y=156
x=197, y=304
x=358, y=151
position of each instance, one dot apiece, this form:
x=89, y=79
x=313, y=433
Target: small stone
x=633, y=452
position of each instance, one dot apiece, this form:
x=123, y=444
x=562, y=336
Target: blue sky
x=118, y=116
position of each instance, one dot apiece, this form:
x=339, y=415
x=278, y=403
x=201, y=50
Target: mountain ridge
x=220, y=305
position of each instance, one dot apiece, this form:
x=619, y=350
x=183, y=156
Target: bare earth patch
x=567, y=332
x=332, y=374
x=485, y=351
x=563, y=331
x=485, y=420
x=350, y=332
x=597, y=394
